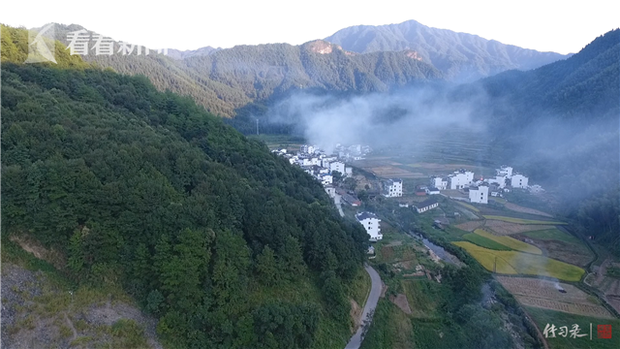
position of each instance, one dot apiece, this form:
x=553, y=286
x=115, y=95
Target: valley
x=394, y=187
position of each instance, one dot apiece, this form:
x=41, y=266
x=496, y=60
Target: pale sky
x=543, y=25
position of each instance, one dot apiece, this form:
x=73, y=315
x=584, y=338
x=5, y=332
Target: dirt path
x=70, y=324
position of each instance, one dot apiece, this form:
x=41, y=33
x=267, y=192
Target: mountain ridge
x=460, y=56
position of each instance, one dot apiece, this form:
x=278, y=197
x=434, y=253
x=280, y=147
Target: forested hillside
x=459, y=56
x=560, y=124
x=226, y=244
x=226, y=80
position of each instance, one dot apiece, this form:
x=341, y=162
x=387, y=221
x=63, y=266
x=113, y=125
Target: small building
x=439, y=183
x=420, y=192
x=393, y=188
x=504, y=171
x=432, y=191
x=370, y=222
x=461, y=179
x=403, y=204
x=371, y=250
x=426, y=205
x=519, y=181
x=337, y=166
x=326, y=179
x=479, y=194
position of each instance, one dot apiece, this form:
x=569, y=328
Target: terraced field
x=514, y=262
x=522, y=221
x=544, y=294
x=507, y=228
x=559, y=245
x=509, y=242
x=470, y=225
x=484, y=242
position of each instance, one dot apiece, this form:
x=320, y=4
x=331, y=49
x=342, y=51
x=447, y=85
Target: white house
x=326, y=179
x=479, y=194
x=337, y=166
x=426, y=205
x=371, y=224
x=504, y=171
x=439, y=183
x=432, y=191
x=349, y=171
x=461, y=179
x=518, y=181
x=499, y=179
x=393, y=188
x=326, y=161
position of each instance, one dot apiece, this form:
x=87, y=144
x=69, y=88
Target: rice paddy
x=515, y=262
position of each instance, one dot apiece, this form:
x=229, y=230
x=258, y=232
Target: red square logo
x=604, y=331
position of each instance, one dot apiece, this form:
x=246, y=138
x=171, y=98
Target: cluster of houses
x=479, y=190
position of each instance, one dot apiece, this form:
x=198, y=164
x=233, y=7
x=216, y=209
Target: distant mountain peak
x=461, y=57
x=321, y=47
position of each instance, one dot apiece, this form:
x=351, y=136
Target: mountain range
x=227, y=80
x=461, y=57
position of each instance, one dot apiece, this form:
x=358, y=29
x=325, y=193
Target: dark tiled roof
x=365, y=215
x=426, y=203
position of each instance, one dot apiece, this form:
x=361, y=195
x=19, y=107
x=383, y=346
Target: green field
x=509, y=242
x=513, y=262
x=552, y=234
x=471, y=207
x=542, y=317
x=522, y=221
x=484, y=242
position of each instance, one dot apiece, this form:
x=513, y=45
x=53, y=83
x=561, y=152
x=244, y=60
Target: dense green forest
x=206, y=229
x=228, y=80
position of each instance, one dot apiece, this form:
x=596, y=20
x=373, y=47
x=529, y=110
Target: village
x=461, y=185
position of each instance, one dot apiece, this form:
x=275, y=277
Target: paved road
x=371, y=304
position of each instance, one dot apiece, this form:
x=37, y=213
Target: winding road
x=371, y=304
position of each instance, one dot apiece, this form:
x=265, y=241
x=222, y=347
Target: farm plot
x=484, y=242
x=392, y=171
x=514, y=262
x=544, y=294
x=610, y=286
x=507, y=228
x=517, y=208
x=470, y=226
x=509, y=242
x=522, y=221
x=573, y=252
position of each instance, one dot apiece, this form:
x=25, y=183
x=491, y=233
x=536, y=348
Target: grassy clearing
x=484, y=242
x=391, y=328
x=542, y=317
x=513, y=262
x=552, y=234
x=509, y=242
x=522, y=221
x=422, y=297
x=360, y=287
